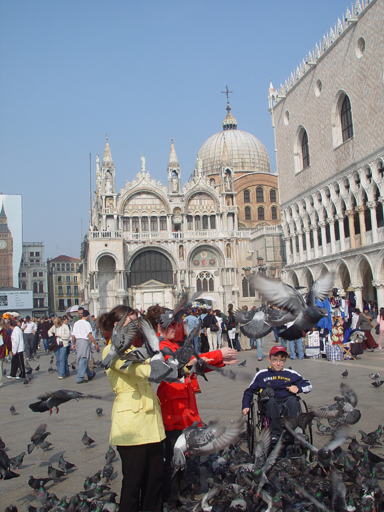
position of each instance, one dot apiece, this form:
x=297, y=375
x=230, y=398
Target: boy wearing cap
x=285, y=384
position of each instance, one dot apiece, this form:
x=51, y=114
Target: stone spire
x=107, y=159
x=173, y=161
x=225, y=156
x=229, y=122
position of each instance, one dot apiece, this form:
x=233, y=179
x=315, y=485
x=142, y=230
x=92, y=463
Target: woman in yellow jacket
x=137, y=428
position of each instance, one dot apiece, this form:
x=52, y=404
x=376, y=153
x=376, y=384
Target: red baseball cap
x=276, y=350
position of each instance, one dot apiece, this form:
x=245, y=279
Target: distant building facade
x=33, y=275
x=148, y=243
x=328, y=120
x=63, y=283
x=6, y=251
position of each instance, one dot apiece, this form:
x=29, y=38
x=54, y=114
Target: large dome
x=241, y=151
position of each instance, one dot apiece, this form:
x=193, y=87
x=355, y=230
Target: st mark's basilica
x=149, y=242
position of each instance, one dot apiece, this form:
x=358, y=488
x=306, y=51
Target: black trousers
x=274, y=408
x=204, y=343
x=183, y=479
x=18, y=363
x=142, y=467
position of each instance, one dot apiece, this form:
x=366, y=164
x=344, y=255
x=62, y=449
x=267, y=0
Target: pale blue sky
x=143, y=71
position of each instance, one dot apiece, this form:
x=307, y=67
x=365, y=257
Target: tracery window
x=346, y=119
x=35, y=287
x=41, y=287
x=126, y=223
x=205, y=282
x=305, y=150
x=259, y=195
x=248, y=291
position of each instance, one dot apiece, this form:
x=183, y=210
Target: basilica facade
x=149, y=243
x=328, y=123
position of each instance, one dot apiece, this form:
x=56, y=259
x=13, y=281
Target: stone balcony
x=165, y=235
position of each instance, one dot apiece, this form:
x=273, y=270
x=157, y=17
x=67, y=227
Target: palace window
x=346, y=119
x=197, y=222
x=247, y=213
x=260, y=213
x=305, y=150
x=24, y=285
x=248, y=291
x=126, y=223
x=35, y=303
x=41, y=287
x=60, y=290
x=259, y=195
x=205, y=282
x=163, y=223
x=41, y=303
x=67, y=279
x=213, y=221
x=75, y=290
x=135, y=224
x=61, y=305
x=189, y=222
x=59, y=279
x=205, y=221
x=272, y=195
x=35, y=288
x=144, y=223
x=274, y=213
x=34, y=274
x=154, y=224
x=247, y=198
x=69, y=303
x=68, y=290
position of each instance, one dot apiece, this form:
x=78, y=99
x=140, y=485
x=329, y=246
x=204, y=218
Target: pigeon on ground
x=55, y=474
x=11, y=508
x=377, y=383
x=99, y=411
x=51, y=360
x=110, y=505
x=324, y=430
x=28, y=371
x=345, y=374
x=12, y=410
x=37, y=483
x=73, y=366
x=243, y=363
x=342, y=409
x=306, y=313
x=87, y=441
x=65, y=465
x=37, y=368
x=197, y=441
x=16, y=462
x=50, y=400
x=180, y=309
x=122, y=338
x=257, y=323
x=369, y=439
x=42, y=495
x=107, y=472
x=38, y=437
x=110, y=455
x=95, y=479
x=51, y=370
x=4, y=372
x=2, y=444
x=45, y=445
x=95, y=492
x=5, y=467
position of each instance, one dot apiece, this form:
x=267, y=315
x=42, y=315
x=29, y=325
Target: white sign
x=16, y=299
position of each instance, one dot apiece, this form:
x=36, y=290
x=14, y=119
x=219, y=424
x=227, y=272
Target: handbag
x=377, y=329
x=214, y=327
x=52, y=343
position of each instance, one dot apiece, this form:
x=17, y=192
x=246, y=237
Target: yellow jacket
x=136, y=414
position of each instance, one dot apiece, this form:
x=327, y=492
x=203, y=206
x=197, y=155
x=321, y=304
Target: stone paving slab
x=220, y=398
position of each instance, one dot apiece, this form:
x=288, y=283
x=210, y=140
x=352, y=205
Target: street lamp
x=247, y=271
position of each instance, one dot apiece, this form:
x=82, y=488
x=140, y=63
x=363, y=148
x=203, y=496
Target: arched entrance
x=107, y=283
x=151, y=279
x=365, y=277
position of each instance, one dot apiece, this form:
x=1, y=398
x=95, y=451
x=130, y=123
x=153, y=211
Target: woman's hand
x=245, y=411
x=194, y=360
x=229, y=355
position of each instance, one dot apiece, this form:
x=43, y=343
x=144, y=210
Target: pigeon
x=110, y=505
x=267, y=391
x=345, y=374
x=107, y=472
x=50, y=400
x=38, y=437
x=95, y=492
x=2, y=444
x=307, y=314
x=377, y=383
x=324, y=430
x=87, y=441
x=180, y=309
x=99, y=411
x=342, y=409
x=369, y=439
x=5, y=467
x=45, y=445
x=185, y=353
x=42, y=495
x=16, y=462
x=51, y=360
x=4, y=372
x=28, y=371
x=51, y=370
x=12, y=410
x=37, y=483
x=11, y=508
x=73, y=366
x=55, y=474
x=122, y=338
x=37, y=368
x=65, y=465
x=259, y=322
x=110, y=455
x=159, y=368
x=204, y=440
x=243, y=363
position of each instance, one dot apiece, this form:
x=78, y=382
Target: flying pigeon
x=180, y=309
x=122, y=338
x=197, y=441
x=257, y=323
x=38, y=437
x=159, y=368
x=307, y=314
x=50, y=400
x=5, y=467
x=37, y=483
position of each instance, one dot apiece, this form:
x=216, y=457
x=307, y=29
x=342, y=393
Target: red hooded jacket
x=177, y=399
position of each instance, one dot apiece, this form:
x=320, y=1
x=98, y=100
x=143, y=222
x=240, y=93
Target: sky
x=141, y=72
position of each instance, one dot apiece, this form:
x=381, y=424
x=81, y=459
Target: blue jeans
x=45, y=343
x=259, y=346
x=299, y=344
x=283, y=343
x=276, y=333
x=196, y=343
x=237, y=342
x=252, y=342
x=61, y=354
x=82, y=369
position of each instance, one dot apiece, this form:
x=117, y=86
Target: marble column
x=331, y=223
x=350, y=214
x=308, y=242
x=287, y=240
x=359, y=295
x=315, y=241
x=379, y=285
x=340, y=218
x=301, y=248
x=372, y=205
x=361, y=211
x=323, y=237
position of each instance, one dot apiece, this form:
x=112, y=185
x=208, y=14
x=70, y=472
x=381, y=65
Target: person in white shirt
x=29, y=329
x=17, y=351
x=60, y=329
x=81, y=335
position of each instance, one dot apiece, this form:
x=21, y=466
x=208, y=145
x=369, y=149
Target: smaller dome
x=229, y=122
